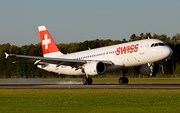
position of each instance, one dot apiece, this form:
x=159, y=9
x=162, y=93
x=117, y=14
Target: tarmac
x=93, y=86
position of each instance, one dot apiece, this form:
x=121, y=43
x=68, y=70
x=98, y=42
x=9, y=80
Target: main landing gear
x=87, y=80
x=123, y=80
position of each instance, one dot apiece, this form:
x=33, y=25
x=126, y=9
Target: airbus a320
x=143, y=54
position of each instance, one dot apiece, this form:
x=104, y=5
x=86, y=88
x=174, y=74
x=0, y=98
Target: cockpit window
x=152, y=45
x=161, y=44
x=157, y=44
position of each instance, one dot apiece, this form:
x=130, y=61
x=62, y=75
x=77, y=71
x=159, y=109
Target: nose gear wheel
x=123, y=80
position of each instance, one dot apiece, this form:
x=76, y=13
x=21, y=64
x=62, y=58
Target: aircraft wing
x=58, y=61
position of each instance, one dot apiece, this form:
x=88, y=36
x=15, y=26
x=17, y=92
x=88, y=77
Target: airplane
x=142, y=54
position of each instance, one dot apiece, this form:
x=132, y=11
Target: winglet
x=6, y=55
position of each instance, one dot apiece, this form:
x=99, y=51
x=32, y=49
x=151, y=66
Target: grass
x=89, y=101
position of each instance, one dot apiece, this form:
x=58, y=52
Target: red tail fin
x=49, y=47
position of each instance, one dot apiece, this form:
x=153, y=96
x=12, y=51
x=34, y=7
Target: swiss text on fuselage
x=127, y=49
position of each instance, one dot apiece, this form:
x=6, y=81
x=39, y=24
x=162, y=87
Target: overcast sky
x=80, y=20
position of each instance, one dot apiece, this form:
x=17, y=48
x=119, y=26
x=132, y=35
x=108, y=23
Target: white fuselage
x=121, y=55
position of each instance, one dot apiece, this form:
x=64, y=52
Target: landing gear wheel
x=87, y=81
x=123, y=80
x=84, y=81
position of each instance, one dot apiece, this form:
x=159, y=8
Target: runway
x=94, y=86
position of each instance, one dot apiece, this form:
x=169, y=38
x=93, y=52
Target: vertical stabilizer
x=49, y=47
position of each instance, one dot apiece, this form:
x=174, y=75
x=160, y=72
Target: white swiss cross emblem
x=46, y=41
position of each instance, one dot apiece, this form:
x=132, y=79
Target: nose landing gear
x=123, y=80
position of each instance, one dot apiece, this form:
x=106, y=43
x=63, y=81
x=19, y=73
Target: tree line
x=10, y=69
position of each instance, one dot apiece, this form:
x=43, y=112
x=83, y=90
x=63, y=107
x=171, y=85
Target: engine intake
x=150, y=69
x=94, y=68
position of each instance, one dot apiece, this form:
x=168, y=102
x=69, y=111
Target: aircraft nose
x=168, y=52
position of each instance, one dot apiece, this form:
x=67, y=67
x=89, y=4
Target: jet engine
x=150, y=69
x=94, y=68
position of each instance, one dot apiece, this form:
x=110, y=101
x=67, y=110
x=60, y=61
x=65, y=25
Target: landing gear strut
x=87, y=80
x=123, y=80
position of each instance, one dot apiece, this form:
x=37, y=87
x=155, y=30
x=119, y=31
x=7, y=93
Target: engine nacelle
x=150, y=69
x=94, y=68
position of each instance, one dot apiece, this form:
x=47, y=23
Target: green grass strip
x=89, y=101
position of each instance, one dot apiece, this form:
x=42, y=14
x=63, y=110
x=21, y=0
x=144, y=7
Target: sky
x=80, y=20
